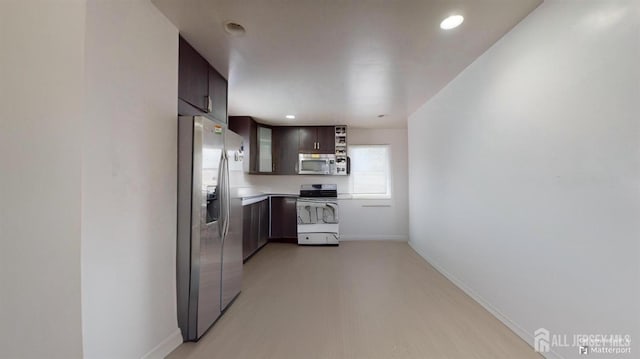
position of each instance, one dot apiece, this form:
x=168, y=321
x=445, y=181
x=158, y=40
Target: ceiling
x=340, y=61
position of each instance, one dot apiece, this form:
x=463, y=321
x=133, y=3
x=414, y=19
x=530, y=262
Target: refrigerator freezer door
x=232, y=247
x=210, y=233
x=200, y=220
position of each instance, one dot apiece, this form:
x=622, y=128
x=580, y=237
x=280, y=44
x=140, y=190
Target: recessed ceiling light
x=234, y=29
x=291, y=117
x=451, y=22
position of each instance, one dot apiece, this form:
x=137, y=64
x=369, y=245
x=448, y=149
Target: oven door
x=317, y=221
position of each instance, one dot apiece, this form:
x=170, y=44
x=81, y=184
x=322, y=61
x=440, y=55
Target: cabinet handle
x=207, y=99
x=318, y=145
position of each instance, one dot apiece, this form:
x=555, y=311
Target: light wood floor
x=363, y=299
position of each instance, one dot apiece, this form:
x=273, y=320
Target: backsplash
x=291, y=184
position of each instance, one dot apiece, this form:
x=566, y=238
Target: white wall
x=41, y=90
x=388, y=222
x=525, y=172
x=129, y=181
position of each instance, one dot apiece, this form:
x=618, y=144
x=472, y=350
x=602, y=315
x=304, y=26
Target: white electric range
x=317, y=210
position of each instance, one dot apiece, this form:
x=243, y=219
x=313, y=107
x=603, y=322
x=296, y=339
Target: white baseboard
x=165, y=347
x=515, y=327
x=374, y=237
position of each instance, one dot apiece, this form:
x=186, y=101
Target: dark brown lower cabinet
x=263, y=235
x=255, y=227
x=284, y=219
x=249, y=245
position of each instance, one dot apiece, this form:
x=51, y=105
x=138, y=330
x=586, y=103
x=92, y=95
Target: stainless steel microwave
x=316, y=164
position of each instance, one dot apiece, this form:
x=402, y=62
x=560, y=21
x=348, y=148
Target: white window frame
x=388, y=194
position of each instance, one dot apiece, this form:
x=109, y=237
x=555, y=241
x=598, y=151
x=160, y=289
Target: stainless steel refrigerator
x=209, y=251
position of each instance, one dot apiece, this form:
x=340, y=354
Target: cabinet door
x=251, y=229
x=246, y=127
x=218, y=95
x=264, y=223
x=326, y=139
x=285, y=150
x=246, y=232
x=265, y=162
x=255, y=226
x=307, y=138
x=193, y=76
x=284, y=219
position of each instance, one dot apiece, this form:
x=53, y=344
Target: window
x=370, y=171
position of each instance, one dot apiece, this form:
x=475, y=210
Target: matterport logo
x=544, y=341
x=541, y=340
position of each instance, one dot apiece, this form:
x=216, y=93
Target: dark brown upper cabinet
x=265, y=149
x=307, y=139
x=275, y=149
x=285, y=150
x=317, y=139
x=246, y=127
x=201, y=89
x=193, y=77
x=218, y=95
x=257, y=142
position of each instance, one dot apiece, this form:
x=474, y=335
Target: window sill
x=372, y=198
x=367, y=201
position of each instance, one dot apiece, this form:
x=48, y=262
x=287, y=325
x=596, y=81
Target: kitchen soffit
x=340, y=61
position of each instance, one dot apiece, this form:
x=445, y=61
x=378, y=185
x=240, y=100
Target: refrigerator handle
x=221, y=186
x=227, y=196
